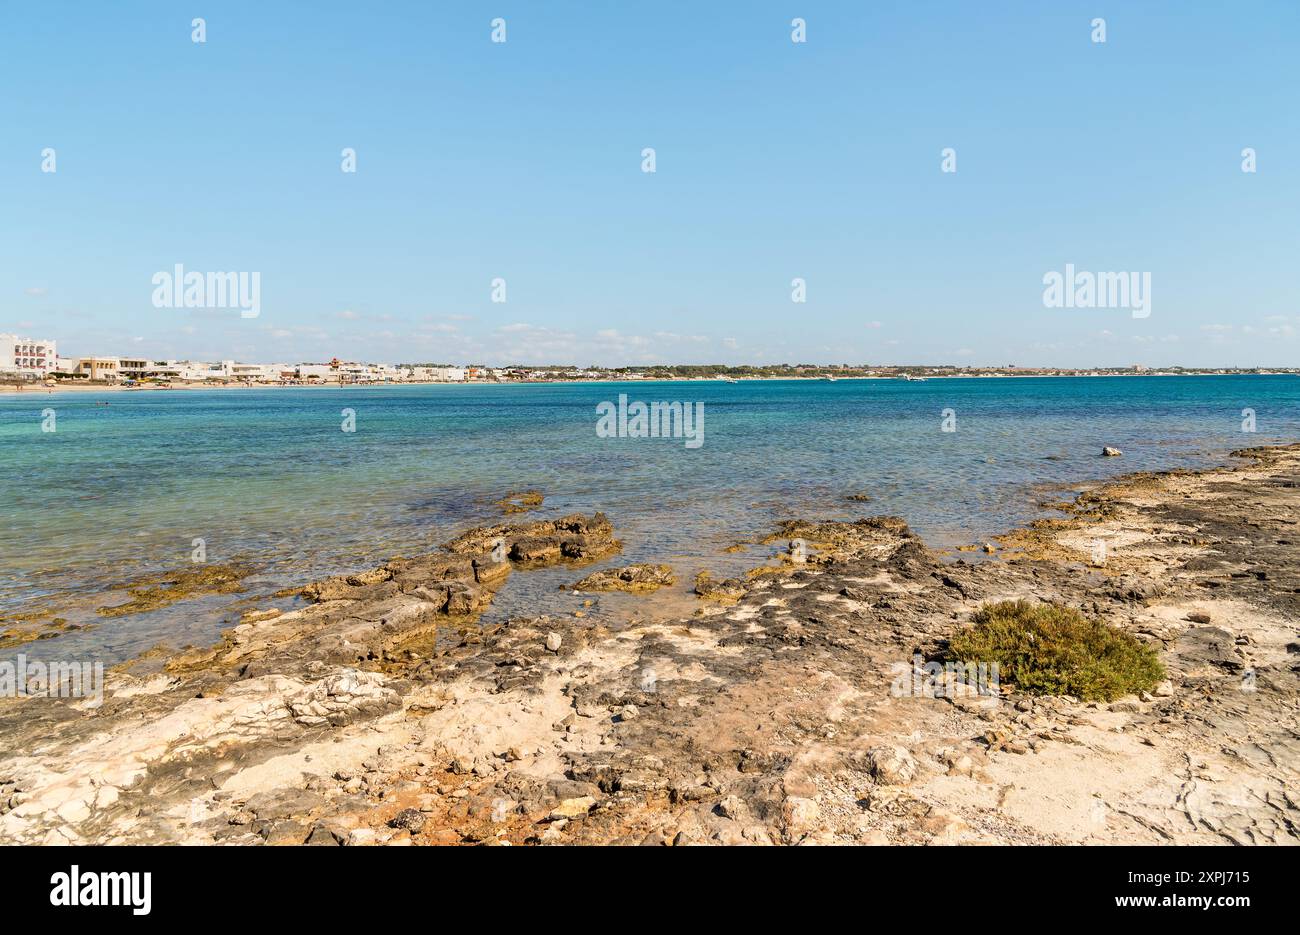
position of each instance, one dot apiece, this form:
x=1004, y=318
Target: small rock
x=961, y=766
x=1109, y=452
x=554, y=641
x=800, y=816
x=322, y=837
x=731, y=807
x=286, y=833
x=408, y=819
x=1198, y=616
x=573, y=808
x=891, y=765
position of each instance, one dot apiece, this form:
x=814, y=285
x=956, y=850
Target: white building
x=353, y=373
x=317, y=373
x=258, y=373
x=193, y=371
x=27, y=356
x=439, y=374
x=134, y=368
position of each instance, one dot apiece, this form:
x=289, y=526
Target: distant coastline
x=118, y=387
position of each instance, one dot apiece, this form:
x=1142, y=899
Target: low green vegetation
x=1047, y=649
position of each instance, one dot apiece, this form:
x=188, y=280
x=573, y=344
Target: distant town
x=29, y=360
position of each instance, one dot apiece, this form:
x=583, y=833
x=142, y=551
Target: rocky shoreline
x=784, y=711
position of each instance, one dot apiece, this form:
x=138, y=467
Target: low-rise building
x=317, y=373
x=135, y=368
x=259, y=373
x=95, y=368
x=438, y=374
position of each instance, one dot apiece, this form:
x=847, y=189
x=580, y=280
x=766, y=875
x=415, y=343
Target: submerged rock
x=166, y=588
x=630, y=578
x=520, y=501
x=726, y=591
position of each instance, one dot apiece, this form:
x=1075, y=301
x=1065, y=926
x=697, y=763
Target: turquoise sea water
x=268, y=476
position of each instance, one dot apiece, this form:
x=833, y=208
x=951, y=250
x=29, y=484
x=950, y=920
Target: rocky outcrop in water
x=635, y=578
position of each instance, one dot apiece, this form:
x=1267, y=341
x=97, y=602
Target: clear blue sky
x=775, y=160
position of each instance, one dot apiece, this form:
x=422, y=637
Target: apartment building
x=27, y=356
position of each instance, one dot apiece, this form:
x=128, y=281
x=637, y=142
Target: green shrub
x=1047, y=649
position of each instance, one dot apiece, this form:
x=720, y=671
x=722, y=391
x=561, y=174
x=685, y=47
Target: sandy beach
x=380, y=713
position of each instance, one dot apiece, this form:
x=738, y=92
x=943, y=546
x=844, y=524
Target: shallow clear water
x=269, y=476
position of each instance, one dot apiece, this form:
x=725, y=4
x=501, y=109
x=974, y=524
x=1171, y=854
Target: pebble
x=408, y=819
x=573, y=808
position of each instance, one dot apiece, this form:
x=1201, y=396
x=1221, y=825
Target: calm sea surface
x=269, y=477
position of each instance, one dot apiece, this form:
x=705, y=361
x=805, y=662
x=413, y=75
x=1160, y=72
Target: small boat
x=911, y=379
x=727, y=379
